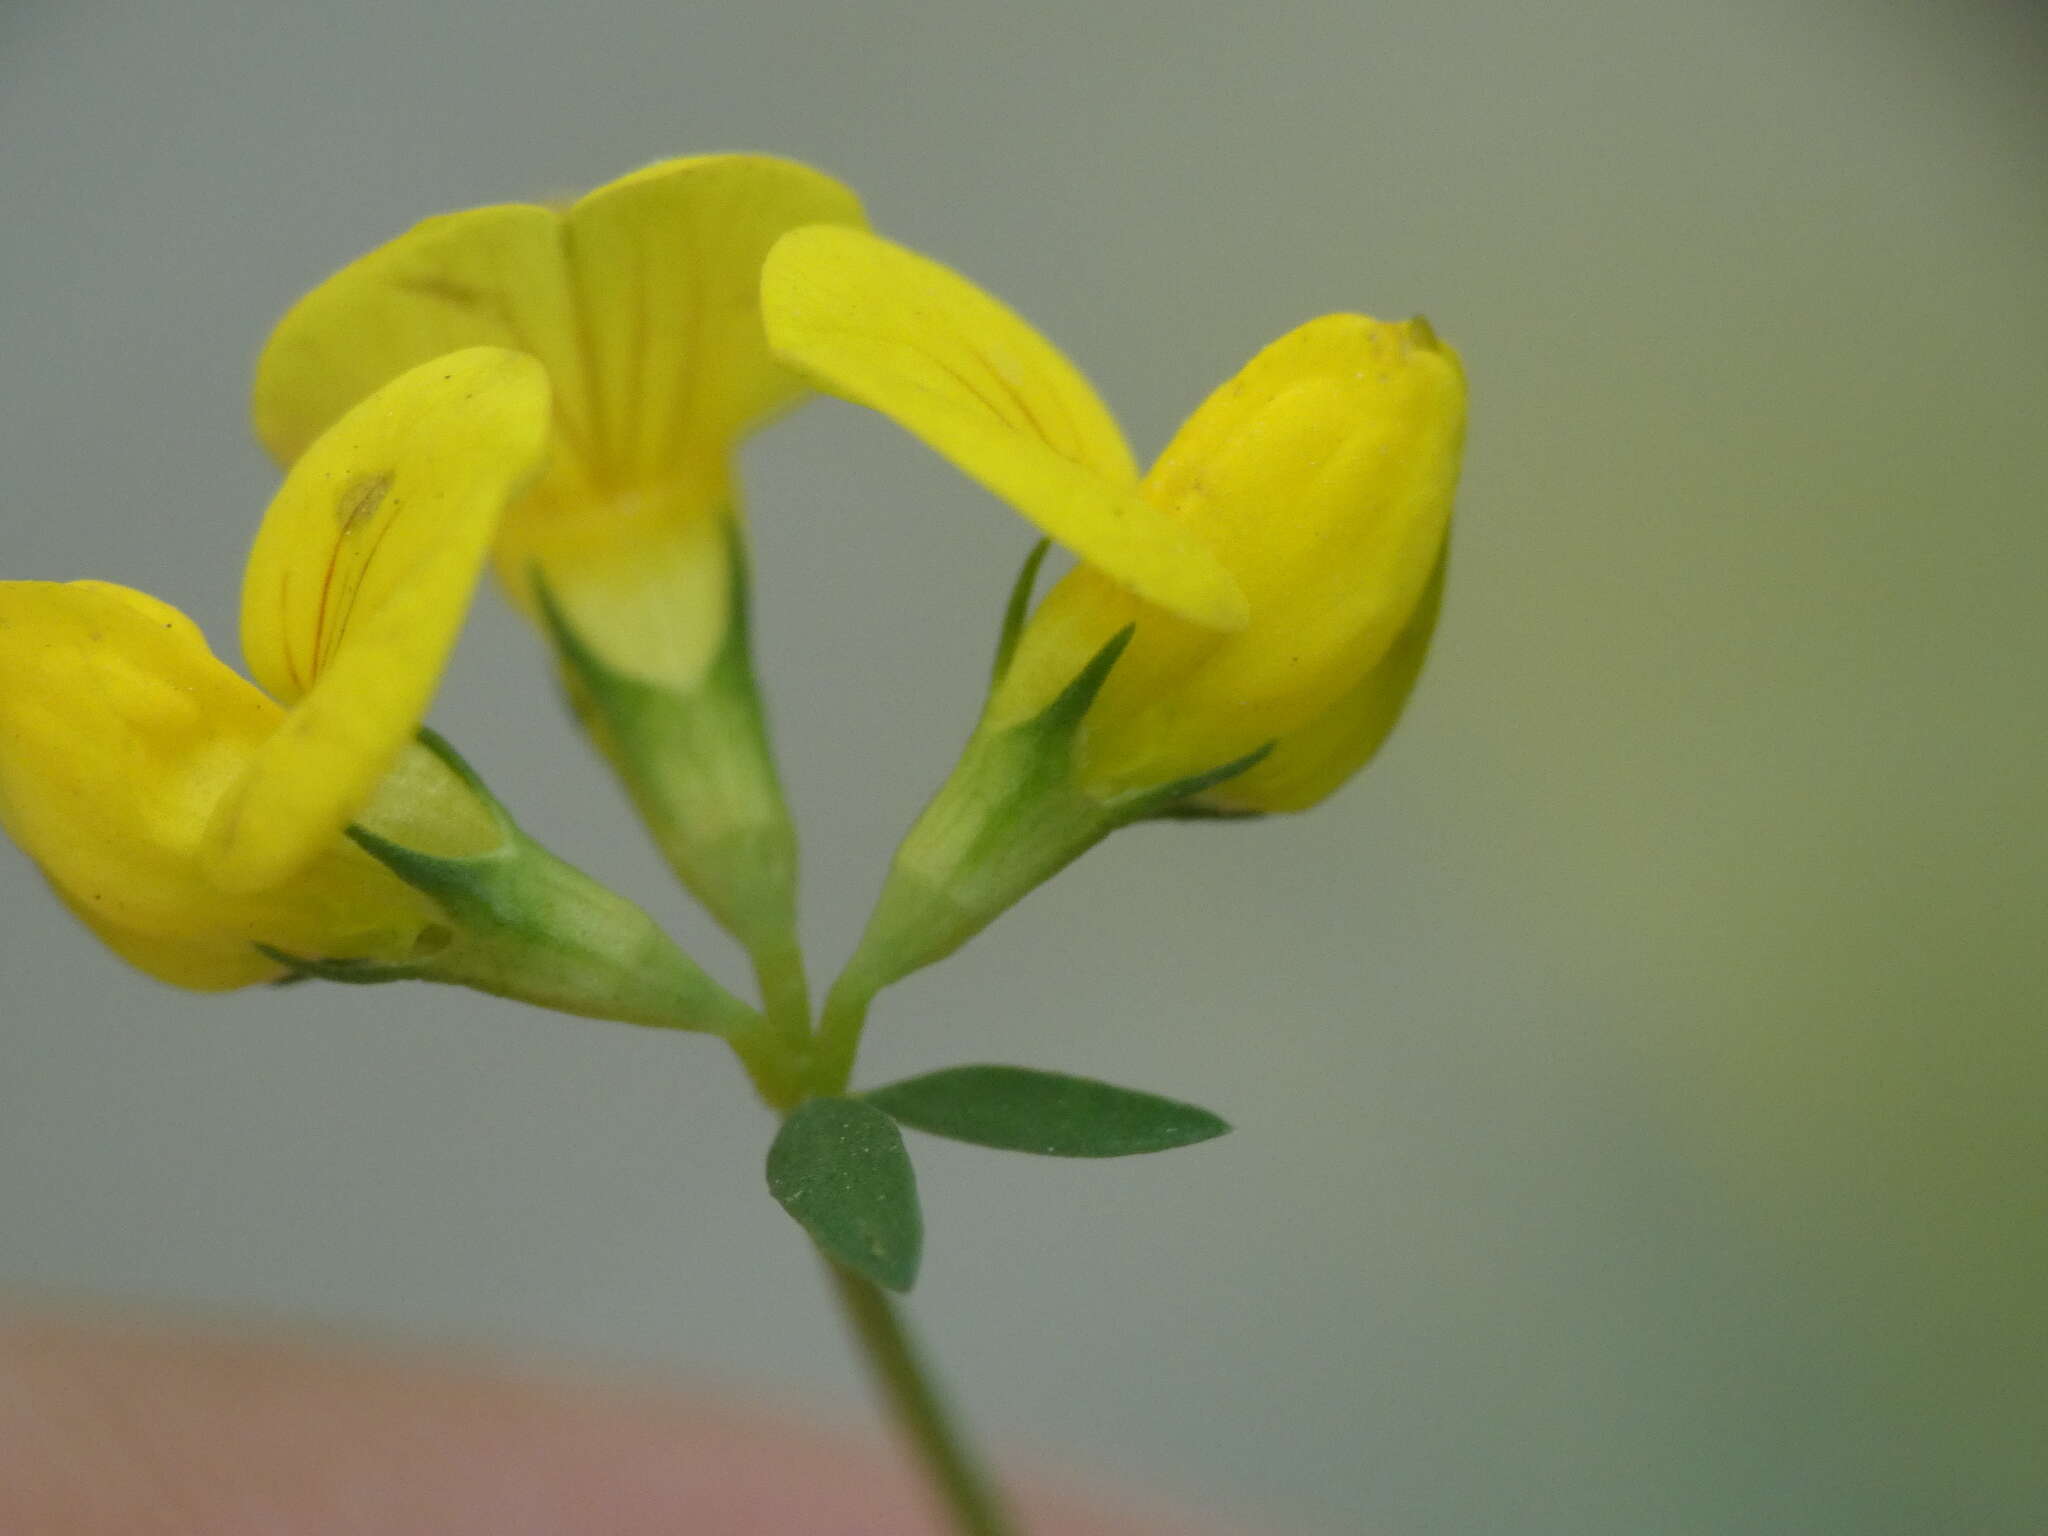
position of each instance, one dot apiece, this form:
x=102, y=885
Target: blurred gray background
x=1640, y=1076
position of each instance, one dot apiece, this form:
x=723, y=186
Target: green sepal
x=1017, y=609
x=1060, y=719
x=354, y=973
x=523, y=924
x=699, y=767
x=458, y=765
x=839, y=1167
x=1011, y=815
x=1020, y=1109
x=1171, y=802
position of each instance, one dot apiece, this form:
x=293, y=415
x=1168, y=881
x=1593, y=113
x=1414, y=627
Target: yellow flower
x=641, y=301
x=1322, y=477
x=187, y=817
x=1319, y=481
x=1245, y=621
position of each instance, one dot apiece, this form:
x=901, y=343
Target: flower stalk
x=919, y=1408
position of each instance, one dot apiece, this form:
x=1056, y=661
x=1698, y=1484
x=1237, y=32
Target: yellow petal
x=119, y=732
x=198, y=965
x=649, y=592
x=666, y=267
x=1313, y=762
x=902, y=335
x=357, y=589
x=485, y=277
x=1328, y=461
x=642, y=301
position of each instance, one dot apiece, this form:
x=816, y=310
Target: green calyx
x=700, y=770
x=523, y=924
x=1012, y=814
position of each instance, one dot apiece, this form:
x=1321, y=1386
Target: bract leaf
x=839, y=1167
x=1018, y=1109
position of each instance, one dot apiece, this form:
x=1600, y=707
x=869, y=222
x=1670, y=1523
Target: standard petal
x=666, y=269
x=485, y=277
x=642, y=300
x=902, y=335
x=357, y=589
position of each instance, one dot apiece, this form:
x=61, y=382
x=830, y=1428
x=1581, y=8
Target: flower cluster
x=561, y=392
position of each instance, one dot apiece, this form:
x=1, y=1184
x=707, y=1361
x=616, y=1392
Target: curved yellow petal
x=901, y=333
x=642, y=301
x=666, y=267
x=896, y=332
x=1331, y=456
x=119, y=733
x=1309, y=764
x=484, y=277
x=198, y=965
x=357, y=588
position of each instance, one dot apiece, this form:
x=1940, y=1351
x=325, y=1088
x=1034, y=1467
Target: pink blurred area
x=133, y=1428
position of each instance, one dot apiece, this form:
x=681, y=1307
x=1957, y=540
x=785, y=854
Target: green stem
x=839, y=1032
x=970, y=1498
x=785, y=992
x=776, y=1076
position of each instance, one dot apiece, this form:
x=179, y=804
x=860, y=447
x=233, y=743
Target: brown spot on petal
x=360, y=499
x=444, y=289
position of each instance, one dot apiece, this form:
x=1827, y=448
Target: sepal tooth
x=1018, y=609
x=1172, y=802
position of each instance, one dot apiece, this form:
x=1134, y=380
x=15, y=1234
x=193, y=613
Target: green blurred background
x=1641, y=1074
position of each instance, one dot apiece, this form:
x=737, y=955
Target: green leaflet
x=1018, y=1109
x=839, y=1167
